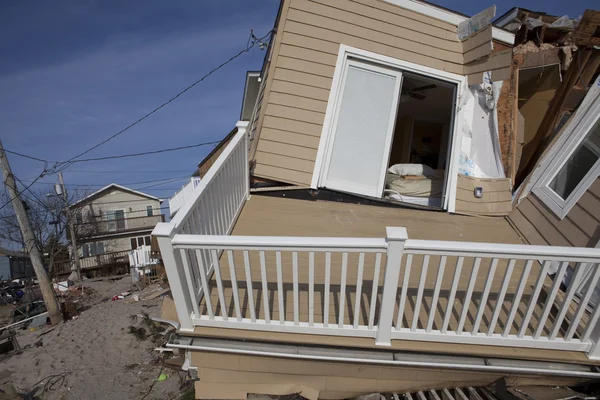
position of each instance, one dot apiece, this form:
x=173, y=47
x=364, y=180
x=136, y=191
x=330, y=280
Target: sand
x=100, y=359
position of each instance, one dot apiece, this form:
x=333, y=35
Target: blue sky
x=72, y=73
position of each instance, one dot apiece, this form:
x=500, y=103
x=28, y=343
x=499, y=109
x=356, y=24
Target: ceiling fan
x=413, y=92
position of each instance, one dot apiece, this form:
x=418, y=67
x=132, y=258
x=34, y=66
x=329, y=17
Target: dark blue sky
x=72, y=73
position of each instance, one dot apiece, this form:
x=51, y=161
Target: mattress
x=426, y=187
x=422, y=201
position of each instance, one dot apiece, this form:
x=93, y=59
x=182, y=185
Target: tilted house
x=322, y=252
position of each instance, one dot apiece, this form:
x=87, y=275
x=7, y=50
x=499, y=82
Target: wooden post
x=396, y=238
x=76, y=267
x=29, y=237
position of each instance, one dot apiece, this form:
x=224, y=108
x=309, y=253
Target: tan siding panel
x=526, y=228
x=403, y=12
x=296, y=89
x=478, y=52
x=298, y=102
x=379, y=21
x=595, y=188
x=292, y=126
x=303, y=78
x=323, y=46
x=297, y=114
x=590, y=203
x=288, y=150
x=292, y=163
x=482, y=37
x=584, y=220
x=543, y=226
x=501, y=59
x=566, y=227
x=282, y=174
x=309, y=67
x=292, y=138
x=308, y=54
x=316, y=26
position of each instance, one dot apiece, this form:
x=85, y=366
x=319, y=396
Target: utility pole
x=71, y=224
x=30, y=245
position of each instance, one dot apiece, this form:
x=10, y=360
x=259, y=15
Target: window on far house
x=92, y=249
x=78, y=218
x=149, y=211
x=140, y=241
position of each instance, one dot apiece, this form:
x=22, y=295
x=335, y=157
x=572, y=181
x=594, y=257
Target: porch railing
x=382, y=288
x=183, y=195
x=97, y=261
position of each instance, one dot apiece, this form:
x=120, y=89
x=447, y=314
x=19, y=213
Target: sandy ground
x=99, y=358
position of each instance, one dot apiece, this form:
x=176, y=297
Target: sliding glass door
x=363, y=126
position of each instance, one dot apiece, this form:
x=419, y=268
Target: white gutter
x=374, y=357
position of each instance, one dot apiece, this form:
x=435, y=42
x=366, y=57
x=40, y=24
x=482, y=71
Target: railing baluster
x=501, y=295
x=374, y=290
x=436, y=292
x=280, y=288
x=467, y=300
x=327, y=289
x=485, y=295
x=583, y=303
x=343, y=290
x=295, y=280
x=359, y=279
x=579, y=270
x=249, y=290
x=234, y=286
x=517, y=298
x=453, y=289
x=403, y=293
x=534, y=297
x=417, y=310
x=205, y=287
x=591, y=326
x=217, y=269
x=311, y=288
x=265, y=286
x=558, y=278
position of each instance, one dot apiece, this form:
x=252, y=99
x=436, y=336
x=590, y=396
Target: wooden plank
x=300, y=90
x=284, y=149
x=299, y=127
x=290, y=138
x=309, y=67
x=587, y=27
x=298, y=102
x=303, y=78
x=302, y=53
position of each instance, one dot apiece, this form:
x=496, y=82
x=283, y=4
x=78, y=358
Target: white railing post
x=395, y=238
x=242, y=127
x=164, y=233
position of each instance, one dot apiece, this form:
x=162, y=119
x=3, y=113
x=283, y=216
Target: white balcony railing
x=185, y=194
x=391, y=288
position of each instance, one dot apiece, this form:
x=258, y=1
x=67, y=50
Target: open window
x=575, y=168
x=389, y=131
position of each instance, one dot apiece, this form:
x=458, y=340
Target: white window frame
x=576, y=134
x=114, y=212
x=327, y=132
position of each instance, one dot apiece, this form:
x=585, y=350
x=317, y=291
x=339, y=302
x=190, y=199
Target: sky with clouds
x=74, y=72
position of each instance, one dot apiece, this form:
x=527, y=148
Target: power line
x=249, y=46
x=173, y=178
x=21, y=192
x=26, y=156
x=127, y=172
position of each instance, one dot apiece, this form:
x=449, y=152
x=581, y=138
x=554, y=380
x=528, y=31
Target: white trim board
x=326, y=133
x=449, y=16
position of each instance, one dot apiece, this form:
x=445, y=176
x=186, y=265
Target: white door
x=362, y=131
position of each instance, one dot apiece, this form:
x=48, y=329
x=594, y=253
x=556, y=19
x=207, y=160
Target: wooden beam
x=587, y=28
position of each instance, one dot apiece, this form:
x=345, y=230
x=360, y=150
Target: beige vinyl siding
x=496, y=200
x=234, y=376
x=539, y=225
x=304, y=56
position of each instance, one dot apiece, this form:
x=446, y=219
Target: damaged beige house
x=370, y=224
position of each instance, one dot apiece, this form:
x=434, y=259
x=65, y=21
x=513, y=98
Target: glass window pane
x=133, y=243
x=140, y=241
x=147, y=241
x=149, y=210
x=578, y=165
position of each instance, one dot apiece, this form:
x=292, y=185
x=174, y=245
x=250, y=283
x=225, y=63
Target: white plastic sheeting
x=480, y=154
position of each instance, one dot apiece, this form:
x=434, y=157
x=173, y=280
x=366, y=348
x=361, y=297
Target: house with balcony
x=357, y=233
x=111, y=222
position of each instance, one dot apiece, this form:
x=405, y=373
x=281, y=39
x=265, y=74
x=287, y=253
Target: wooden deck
x=269, y=216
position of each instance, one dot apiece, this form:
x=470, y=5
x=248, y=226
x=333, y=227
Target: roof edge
x=117, y=186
